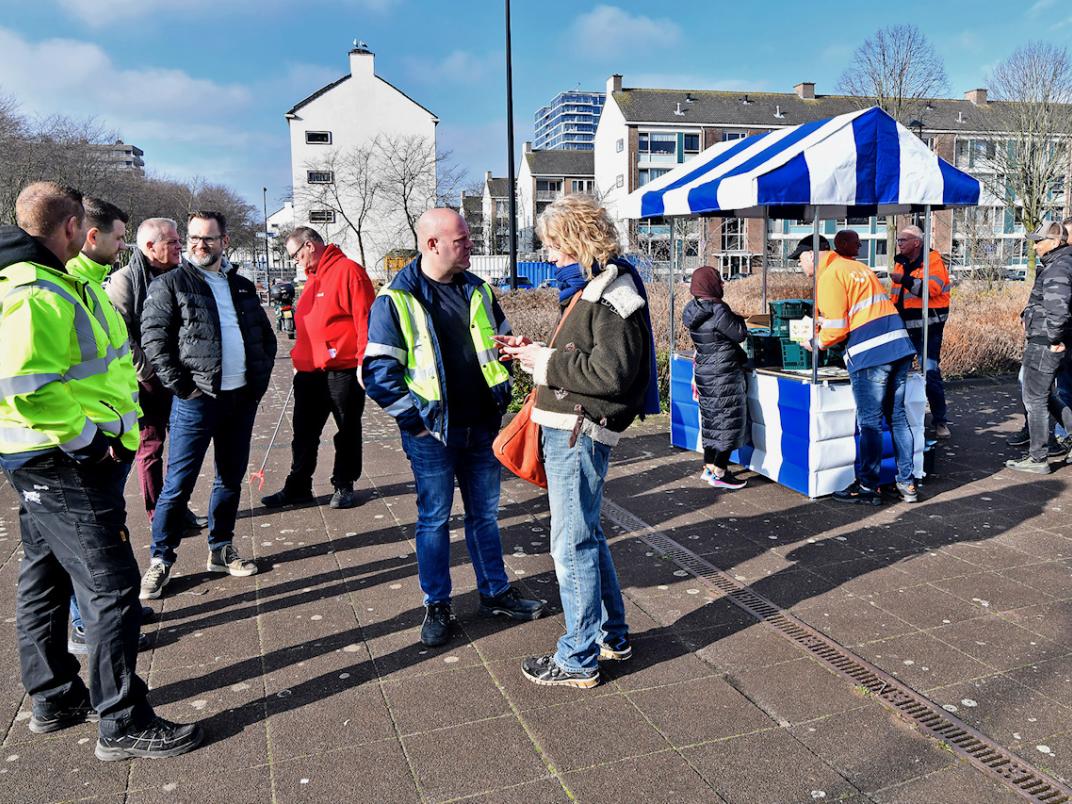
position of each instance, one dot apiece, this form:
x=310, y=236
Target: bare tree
x=897, y=69
x=1029, y=168
x=351, y=185
x=408, y=165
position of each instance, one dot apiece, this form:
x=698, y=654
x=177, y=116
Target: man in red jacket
x=332, y=329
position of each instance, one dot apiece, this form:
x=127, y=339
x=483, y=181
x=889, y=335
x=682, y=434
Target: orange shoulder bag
x=517, y=446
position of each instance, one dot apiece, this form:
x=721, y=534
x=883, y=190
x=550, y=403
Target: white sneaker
x=154, y=580
x=227, y=560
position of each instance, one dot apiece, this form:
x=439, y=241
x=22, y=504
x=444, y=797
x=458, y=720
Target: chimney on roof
x=976, y=96
x=487, y=176
x=528, y=146
x=362, y=60
x=805, y=90
x=614, y=83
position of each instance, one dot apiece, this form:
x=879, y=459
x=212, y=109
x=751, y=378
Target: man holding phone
x=431, y=362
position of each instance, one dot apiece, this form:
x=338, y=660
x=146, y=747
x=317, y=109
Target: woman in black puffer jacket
x=717, y=332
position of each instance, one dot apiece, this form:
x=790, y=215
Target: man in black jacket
x=211, y=344
x=1048, y=330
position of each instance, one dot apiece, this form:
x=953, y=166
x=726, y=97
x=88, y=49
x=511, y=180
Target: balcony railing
x=547, y=195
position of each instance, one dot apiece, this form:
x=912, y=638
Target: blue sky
x=202, y=85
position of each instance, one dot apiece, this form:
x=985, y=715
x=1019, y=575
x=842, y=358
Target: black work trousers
x=1040, y=368
x=74, y=538
x=318, y=394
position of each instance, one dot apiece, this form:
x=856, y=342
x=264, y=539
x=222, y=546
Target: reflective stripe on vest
x=483, y=331
x=83, y=327
x=419, y=357
x=28, y=383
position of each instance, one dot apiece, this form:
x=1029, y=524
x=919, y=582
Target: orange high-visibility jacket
x=856, y=309
x=907, y=295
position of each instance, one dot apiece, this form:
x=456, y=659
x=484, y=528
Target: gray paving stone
x=657, y=777
x=797, y=691
x=700, y=710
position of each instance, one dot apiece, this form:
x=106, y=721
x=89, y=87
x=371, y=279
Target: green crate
x=794, y=356
x=764, y=349
x=786, y=310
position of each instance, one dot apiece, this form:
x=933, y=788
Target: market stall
x=855, y=165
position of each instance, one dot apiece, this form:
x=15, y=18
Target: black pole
x=267, y=248
x=510, y=181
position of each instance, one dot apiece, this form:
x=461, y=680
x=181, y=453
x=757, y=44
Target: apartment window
x=971, y=153
x=548, y=186
x=319, y=176
x=620, y=181
x=657, y=146
x=619, y=146
x=321, y=216
x=733, y=234
x=730, y=136
x=581, y=186
x=691, y=143
x=318, y=138
x=644, y=175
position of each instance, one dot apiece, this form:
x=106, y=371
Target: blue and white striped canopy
x=857, y=164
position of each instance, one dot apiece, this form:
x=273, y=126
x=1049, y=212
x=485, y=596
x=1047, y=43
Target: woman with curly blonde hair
x=589, y=388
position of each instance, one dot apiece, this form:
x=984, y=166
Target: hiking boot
x=544, y=670
x=76, y=642
x=81, y=712
x=438, y=624
x=1029, y=464
x=513, y=605
x=941, y=430
x=154, y=580
x=620, y=654
x=1019, y=439
x=227, y=560
x=908, y=491
x=191, y=521
x=287, y=497
x=343, y=497
x=860, y=495
x=161, y=738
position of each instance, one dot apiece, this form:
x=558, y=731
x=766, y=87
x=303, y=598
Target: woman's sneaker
x=545, y=671
x=1029, y=464
x=161, y=738
x=620, y=654
x=727, y=481
x=908, y=491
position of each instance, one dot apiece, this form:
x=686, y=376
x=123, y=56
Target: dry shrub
x=983, y=335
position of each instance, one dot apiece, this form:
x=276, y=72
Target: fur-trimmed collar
x=617, y=292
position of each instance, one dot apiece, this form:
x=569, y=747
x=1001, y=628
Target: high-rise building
x=568, y=122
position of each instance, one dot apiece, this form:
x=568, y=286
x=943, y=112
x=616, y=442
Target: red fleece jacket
x=332, y=314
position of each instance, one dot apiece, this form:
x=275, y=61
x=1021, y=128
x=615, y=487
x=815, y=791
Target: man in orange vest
x=906, y=293
x=878, y=353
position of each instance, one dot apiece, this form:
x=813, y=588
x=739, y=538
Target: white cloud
x=624, y=30
x=1039, y=6
x=457, y=67
x=101, y=13
x=694, y=81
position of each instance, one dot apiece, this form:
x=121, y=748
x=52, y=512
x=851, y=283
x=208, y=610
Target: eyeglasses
x=294, y=257
x=208, y=241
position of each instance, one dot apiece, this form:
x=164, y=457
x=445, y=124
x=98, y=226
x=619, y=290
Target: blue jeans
x=879, y=392
x=935, y=386
x=588, y=584
x=227, y=422
x=466, y=456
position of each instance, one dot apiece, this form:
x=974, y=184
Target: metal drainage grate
x=976, y=747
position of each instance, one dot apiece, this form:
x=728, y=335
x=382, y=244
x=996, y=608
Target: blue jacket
x=384, y=376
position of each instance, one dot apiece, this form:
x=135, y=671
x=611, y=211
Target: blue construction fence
x=538, y=272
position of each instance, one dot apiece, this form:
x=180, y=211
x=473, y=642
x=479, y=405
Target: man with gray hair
x=159, y=250
x=332, y=323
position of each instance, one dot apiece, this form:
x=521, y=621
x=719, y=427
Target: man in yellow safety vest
x=432, y=363
x=68, y=431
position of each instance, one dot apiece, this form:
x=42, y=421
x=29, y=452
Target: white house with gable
x=341, y=139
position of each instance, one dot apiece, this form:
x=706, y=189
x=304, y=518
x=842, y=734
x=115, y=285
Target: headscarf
x=706, y=283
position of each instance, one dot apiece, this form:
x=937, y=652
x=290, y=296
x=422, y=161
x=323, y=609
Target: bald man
x=431, y=362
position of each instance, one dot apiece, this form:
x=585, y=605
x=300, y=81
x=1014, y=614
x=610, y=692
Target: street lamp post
x=510, y=154
x=267, y=248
